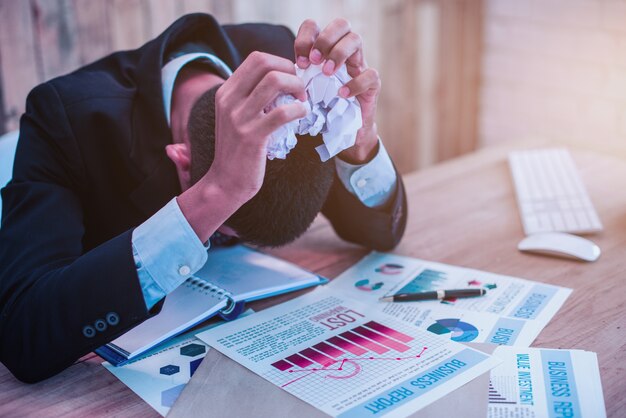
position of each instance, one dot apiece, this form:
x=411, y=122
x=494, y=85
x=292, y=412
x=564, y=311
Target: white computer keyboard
x=550, y=194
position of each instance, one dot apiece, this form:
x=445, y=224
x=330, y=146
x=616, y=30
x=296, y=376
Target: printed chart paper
x=513, y=312
x=334, y=354
x=537, y=382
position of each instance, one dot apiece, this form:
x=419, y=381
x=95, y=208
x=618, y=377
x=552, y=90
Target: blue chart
x=425, y=281
x=459, y=331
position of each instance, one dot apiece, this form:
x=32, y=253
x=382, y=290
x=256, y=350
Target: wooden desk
x=462, y=212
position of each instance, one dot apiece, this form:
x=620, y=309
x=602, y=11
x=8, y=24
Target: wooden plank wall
x=427, y=52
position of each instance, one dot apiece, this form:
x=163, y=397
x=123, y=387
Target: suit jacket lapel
x=149, y=126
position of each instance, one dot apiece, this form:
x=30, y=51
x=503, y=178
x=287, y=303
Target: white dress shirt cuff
x=374, y=182
x=166, y=251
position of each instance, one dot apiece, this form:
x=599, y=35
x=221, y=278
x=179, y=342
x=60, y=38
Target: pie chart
x=366, y=286
x=459, y=331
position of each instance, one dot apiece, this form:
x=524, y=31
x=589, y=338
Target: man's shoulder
x=110, y=78
x=264, y=37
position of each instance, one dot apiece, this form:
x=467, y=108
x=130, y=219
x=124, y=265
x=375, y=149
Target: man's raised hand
x=242, y=129
x=242, y=126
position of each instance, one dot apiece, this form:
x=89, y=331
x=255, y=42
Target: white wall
x=555, y=69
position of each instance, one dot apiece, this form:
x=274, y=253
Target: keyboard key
x=576, y=203
x=531, y=224
x=570, y=221
x=564, y=204
x=557, y=221
x=595, y=221
x=583, y=221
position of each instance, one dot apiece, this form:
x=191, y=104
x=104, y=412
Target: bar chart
x=426, y=280
x=496, y=396
x=343, y=356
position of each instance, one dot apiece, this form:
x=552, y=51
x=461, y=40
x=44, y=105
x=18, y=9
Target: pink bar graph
x=370, y=345
x=372, y=336
x=317, y=357
x=282, y=365
x=328, y=349
x=389, y=332
x=299, y=361
x=381, y=339
x=347, y=345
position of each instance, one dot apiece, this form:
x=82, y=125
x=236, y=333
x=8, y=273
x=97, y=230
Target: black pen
x=434, y=295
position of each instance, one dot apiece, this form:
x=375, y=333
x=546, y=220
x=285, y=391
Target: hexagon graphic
x=194, y=365
x=192, y=350
x=169, y=370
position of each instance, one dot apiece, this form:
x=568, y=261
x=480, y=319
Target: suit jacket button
x=89, y=331
x=100, y=325
x=112, y=318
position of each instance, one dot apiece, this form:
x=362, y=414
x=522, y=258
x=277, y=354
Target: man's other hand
x=334, y=46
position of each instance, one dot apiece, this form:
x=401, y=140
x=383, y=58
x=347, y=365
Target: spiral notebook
x=230, y=277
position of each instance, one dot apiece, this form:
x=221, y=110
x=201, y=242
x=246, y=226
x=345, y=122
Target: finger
x=368, y=80
x=251, y=72
x=355, y=64
x=272, y=84
x=280, y=116
x=347, y=47
x=304, y=42
x=336, y=30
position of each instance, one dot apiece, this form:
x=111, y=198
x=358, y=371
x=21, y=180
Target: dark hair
x=293, y=191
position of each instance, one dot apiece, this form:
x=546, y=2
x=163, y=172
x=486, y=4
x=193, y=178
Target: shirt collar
x=170, y=71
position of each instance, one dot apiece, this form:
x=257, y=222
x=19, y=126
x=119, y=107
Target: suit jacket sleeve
x=51, y=289
x=377, y=228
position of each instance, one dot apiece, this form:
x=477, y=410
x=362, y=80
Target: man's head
x=293, y=190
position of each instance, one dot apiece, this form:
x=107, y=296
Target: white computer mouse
x=560, y=244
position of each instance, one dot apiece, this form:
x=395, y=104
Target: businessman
x=130, y=169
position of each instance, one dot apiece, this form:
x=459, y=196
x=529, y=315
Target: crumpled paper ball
x=336, y=118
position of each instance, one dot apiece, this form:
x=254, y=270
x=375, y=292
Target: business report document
x=513, y=312
x=540, y=382
x=339, y=356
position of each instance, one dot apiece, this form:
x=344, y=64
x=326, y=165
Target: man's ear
x=180, y=154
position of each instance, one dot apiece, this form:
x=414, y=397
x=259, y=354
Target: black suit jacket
x=90, y=167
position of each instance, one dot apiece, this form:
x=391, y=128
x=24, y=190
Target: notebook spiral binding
x=232, y=309
x=215, y=291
